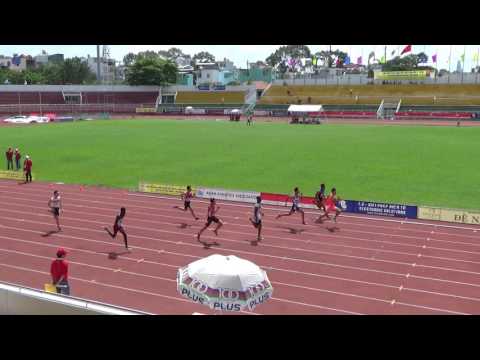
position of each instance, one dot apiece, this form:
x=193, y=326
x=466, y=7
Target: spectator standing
x=18, y=157
x=59, y=273
x=9, y=155
x=27, y=167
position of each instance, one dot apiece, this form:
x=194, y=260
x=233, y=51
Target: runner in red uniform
x=187, y=197
x=211, y=217
x=331, y=205
x=118, y=227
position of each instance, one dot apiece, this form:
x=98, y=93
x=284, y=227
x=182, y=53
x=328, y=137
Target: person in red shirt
x=9, y=155
x=27, y=167
x=211, y=217
x=18, y=156
x=59, y=273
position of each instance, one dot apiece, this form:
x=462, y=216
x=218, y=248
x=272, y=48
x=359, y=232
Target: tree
x=129, y=59
x=203, y=56
x=293, y=51
x=175, y=53
x=147, y=54
x=151, y=71
x=407, y=63
x=332, y=57
x=76, y=71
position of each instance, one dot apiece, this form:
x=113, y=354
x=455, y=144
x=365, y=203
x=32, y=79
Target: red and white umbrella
x=225, y=283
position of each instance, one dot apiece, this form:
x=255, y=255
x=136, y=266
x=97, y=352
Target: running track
x=365, y=265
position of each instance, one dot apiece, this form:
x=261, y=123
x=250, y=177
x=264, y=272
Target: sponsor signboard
x=450, y=215
x=231, y=195
x=204, y=87
x=215, y=111
x=145, y=110
x=401, y=75
x=12, y=175
x=261, y=112
x=381, y=209
x=163, y=189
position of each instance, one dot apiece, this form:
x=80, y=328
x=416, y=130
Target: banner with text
x=231, y=195
x=13, y=175
x=381, y=209
x=163, y=189
x=286, y=200
x=145, y=110
x=450, y=215
x=401, y=75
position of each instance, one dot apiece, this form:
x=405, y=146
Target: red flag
x=408, y=48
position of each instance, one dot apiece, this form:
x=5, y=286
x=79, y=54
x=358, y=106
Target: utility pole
x=98, y=63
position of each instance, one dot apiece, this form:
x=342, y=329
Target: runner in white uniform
x=257, y=217
x=297, y=195
x=55, y=204
x=187, y=198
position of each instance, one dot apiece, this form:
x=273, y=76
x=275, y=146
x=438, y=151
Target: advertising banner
x=12, y=175
x=230, y=195
x=450, y=215
x=401, y=75
x=145, y=110
x=381, y=209
x=163, y=189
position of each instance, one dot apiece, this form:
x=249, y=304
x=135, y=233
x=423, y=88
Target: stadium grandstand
x=383, y=101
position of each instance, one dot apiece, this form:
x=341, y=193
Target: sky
x=240, y=54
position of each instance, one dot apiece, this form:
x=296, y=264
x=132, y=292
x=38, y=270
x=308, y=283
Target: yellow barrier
x=163, y=189
x=450, y=215
x=401, y=75
x=12, y=175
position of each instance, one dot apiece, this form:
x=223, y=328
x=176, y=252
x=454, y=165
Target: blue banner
x=381, y=209
x=203, y=87
x=219, y=87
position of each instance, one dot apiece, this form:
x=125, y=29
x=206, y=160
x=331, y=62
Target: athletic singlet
x=331, y=200
x=257, y=214
x=55, y=202
x=319, y=195
x=296, y=199
x=211, y=210
x=119, y=221
x=188, y=196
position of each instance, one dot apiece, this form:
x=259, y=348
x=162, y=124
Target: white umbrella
x=224, y=283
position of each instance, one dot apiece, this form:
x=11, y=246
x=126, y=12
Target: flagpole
x=463, y=65
x=450, y=64
x=476, y=76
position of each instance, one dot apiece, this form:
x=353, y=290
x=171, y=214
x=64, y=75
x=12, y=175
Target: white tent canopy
x=305, y=108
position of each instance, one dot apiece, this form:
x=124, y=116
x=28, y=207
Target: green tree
x=76, y=71
x=151, y=71
x=203, y=56
x=407, y=63
x=294, y=51
x=329, y=58
x=129, y=59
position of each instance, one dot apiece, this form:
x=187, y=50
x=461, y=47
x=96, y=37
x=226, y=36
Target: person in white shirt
x=55, y=205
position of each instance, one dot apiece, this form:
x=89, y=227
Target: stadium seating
x=445, y=94
x=210, y=97
x=119, y=97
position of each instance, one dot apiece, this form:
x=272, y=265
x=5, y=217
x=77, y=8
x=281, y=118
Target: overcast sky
x=240, y=54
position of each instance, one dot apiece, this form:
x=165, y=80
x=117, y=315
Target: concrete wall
x=16, y=300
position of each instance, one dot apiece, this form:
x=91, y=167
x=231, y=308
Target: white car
x=24, y=119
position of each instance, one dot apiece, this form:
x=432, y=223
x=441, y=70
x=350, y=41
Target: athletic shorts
x=56, y=211
x=294, y=208
x=332, y=208
x=257, y=222
x=211, y=219
x=186, y=204
x=117, y=228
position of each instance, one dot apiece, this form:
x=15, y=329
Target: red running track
x=363, y=265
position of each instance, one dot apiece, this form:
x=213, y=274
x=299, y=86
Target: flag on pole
x=382, y=60
x=462, y=57
x=475, y=57
x=434, y=58
x=347, y=60
x=407, y=49
x=393, y=52
x=359, y=60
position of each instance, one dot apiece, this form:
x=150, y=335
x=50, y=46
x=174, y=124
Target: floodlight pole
x=98, y=63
